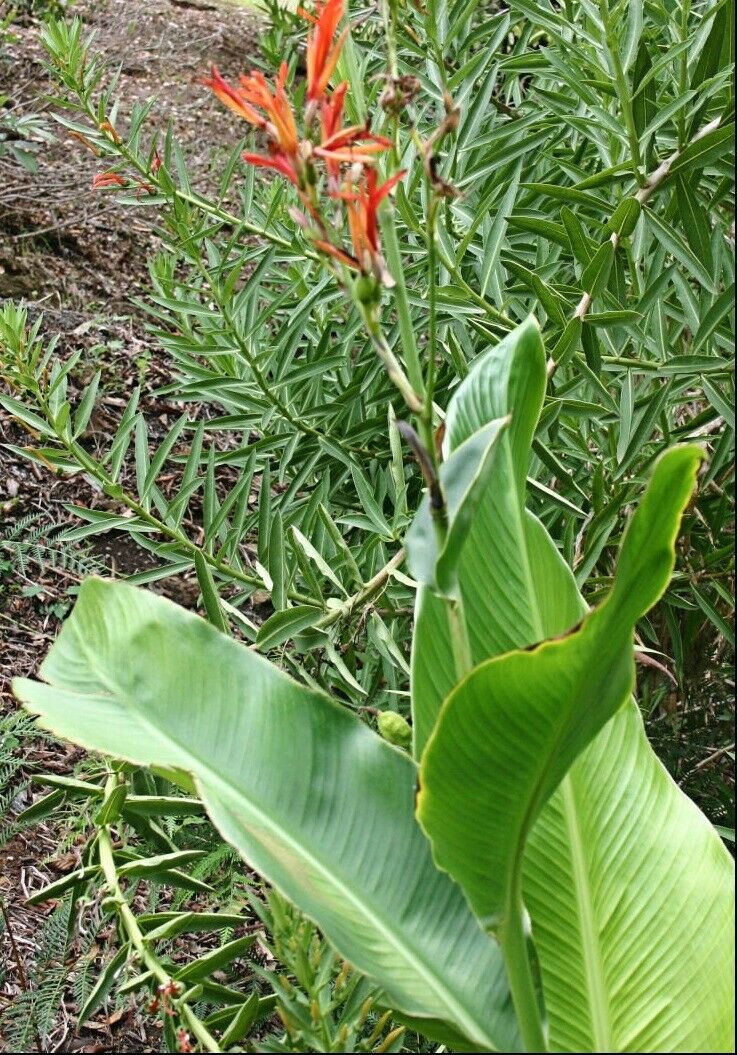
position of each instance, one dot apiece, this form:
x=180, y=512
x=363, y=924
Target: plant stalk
x=432, y=337
x=513, y=941
x=459, y=639
x=392, y=365
x=135, y=935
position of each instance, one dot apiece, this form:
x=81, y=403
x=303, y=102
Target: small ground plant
x=451, y=340
x=21, y=135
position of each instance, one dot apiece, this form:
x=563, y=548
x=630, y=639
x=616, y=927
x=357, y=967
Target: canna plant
x=533, y=813
x=514, y=870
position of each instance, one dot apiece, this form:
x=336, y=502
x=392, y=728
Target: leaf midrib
x=592, y=959
x=438, y=986
x=591, y=949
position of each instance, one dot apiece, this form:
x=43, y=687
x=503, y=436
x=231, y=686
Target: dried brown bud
x=108, y=129
x=447, y=126
x=398, y=93
x=452, y=113
x=440, y=186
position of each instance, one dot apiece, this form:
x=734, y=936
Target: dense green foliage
x=581, y=172
x=323, y=807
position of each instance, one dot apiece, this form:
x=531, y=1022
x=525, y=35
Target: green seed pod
x=394, y=728
x=366, y=289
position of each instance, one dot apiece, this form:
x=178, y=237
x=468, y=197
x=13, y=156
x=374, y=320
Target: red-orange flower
x=233, y=98
x=352, y=144
x=331, y=115
x=274, y=161
x=281, y=126
x=362, y=210
x=339, y=144
x=322, y=53
x=362, y=207
x=107, y=179
x=331, y=120
x=255, y=103
x=271, y=112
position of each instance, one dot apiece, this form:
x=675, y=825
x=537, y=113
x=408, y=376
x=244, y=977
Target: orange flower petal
x=277, y=162
x=329, y=64
x=233, y=99
x=322, y=54
x=339, y=254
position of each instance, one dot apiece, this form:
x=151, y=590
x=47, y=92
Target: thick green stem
x=459, y=640
x=513, y=941
x=432, y=331
x=392, y=365
x=401, y=301
x=127, y=918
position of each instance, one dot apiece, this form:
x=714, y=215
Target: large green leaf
x=631, y=894
x=539, y=708
x=628, y=886
x=314, y=801
x=464, y=477
x=510, y=380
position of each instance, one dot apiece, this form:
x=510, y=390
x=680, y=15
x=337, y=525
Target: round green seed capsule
x=366, y=289
x=394, y=728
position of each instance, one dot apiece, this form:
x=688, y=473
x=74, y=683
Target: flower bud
x=367, y=289
x=394, y=728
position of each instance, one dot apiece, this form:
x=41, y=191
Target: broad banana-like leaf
x=465, y=477
x=631, y=894
x=629, y=888
x=539, y=708
x=310, y=796
x=494, y=585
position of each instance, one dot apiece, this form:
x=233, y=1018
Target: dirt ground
x=71, y=254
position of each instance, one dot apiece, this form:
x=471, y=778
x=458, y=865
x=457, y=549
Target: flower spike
x=108, y=179
x=234, y=99
x=322, y=53
x=346, y=156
